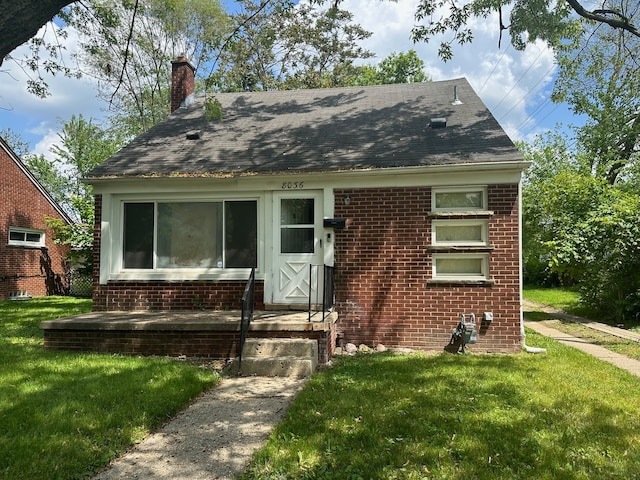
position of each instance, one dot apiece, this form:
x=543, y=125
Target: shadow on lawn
x=451, y=415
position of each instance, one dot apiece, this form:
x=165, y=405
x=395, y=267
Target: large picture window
x=195, y=235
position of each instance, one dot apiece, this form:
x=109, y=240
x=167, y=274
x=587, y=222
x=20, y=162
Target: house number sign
x=292, y=185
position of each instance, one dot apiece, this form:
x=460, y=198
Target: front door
x=297, y=245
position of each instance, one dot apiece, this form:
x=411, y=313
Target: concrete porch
x=202, y=333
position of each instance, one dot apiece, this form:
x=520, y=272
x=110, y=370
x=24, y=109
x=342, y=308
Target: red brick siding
x=167, y=295
x=38, y=271
x=191, y=343
x=382, y=269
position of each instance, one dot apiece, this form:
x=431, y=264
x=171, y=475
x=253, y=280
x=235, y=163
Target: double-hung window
x=26, y=237
x=190, y=234
x=459, y=234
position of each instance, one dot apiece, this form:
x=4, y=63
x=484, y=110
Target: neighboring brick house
x=30, y=263
x=411, y=191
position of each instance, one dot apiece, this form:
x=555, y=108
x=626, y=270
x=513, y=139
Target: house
x=31, y=264
x=411, y=192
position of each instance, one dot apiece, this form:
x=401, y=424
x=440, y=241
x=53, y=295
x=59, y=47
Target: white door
x=297, y=245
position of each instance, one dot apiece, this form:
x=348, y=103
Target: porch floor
x=200, y=320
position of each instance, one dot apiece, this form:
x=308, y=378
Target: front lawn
x=559, y=415
x=66, y=415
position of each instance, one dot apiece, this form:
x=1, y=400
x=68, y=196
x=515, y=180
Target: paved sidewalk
x=602, y=353
x=215, y=437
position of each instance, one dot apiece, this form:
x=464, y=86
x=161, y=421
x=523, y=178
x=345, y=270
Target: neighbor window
x=459, y=232
x=459, y=199
x=460, y=266
x=190, y=234
x=26, y=237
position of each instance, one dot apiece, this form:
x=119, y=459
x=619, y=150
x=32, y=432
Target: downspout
x=523, y=335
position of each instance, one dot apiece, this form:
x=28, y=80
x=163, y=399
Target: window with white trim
x=459, y=232
x=189, y=234
x=26, y=237
x=456, y=199
x=461, y=266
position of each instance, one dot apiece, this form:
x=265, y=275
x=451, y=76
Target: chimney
x=183, y=83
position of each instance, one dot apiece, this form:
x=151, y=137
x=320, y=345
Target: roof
x=319, y=130
x=27, y=173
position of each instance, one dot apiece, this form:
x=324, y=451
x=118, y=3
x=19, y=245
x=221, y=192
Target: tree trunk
x=21, y=19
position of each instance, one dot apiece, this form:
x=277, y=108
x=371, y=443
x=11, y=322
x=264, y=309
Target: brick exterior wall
x=168, y=295
x=383, y=268
x=39, y=271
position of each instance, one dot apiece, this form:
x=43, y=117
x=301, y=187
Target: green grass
x=569, y=301
x=66, y=415
x=560, y=415
x=561, y=298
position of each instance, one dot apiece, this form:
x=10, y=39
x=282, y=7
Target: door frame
x=297, y=262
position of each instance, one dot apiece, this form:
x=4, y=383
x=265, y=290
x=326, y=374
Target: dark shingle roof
x=319, y=130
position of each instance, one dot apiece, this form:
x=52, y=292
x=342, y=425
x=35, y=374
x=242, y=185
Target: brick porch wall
x=191, y=343
x=383, y=268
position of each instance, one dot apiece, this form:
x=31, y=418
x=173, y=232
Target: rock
x=380, y=348
x=350, y=348
x=363, y=348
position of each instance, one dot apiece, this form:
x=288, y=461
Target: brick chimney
x=183, y=83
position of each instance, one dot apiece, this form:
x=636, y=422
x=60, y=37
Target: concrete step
x=280, y=347
x=276, y=367
x=278, y=357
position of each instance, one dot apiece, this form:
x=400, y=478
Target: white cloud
x=36, y=118
x=511, y=83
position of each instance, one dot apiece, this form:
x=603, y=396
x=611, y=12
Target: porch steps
x=278, y=357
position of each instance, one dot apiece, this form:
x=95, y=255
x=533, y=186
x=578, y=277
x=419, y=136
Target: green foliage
x=129, y=46
x=553, y=22
x=67, y=415
x=559, y=415
x=282, y=45
x=212, y=109
x=600, y=78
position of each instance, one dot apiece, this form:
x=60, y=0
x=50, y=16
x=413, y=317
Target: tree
x=128, y=47
x=600, y=78
x=281, y=45
x=395, y=68
x=529, y=20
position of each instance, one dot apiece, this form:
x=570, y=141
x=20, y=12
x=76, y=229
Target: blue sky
x=516, y=86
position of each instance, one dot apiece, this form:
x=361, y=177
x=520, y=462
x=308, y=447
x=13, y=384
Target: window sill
x=459, y=249
x=26, y=246
x=438, y=282
x=462, y=214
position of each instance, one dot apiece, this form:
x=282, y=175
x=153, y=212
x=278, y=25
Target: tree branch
x=621, y=22
x=21, y=20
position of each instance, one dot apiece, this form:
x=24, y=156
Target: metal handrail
x=328, y=288
x=248, y=305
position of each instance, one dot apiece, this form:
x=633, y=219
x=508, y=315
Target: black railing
x=325, y=275
x=248, y=303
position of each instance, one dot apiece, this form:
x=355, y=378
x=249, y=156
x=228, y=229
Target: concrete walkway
x=602, y=353
x=215, y=437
